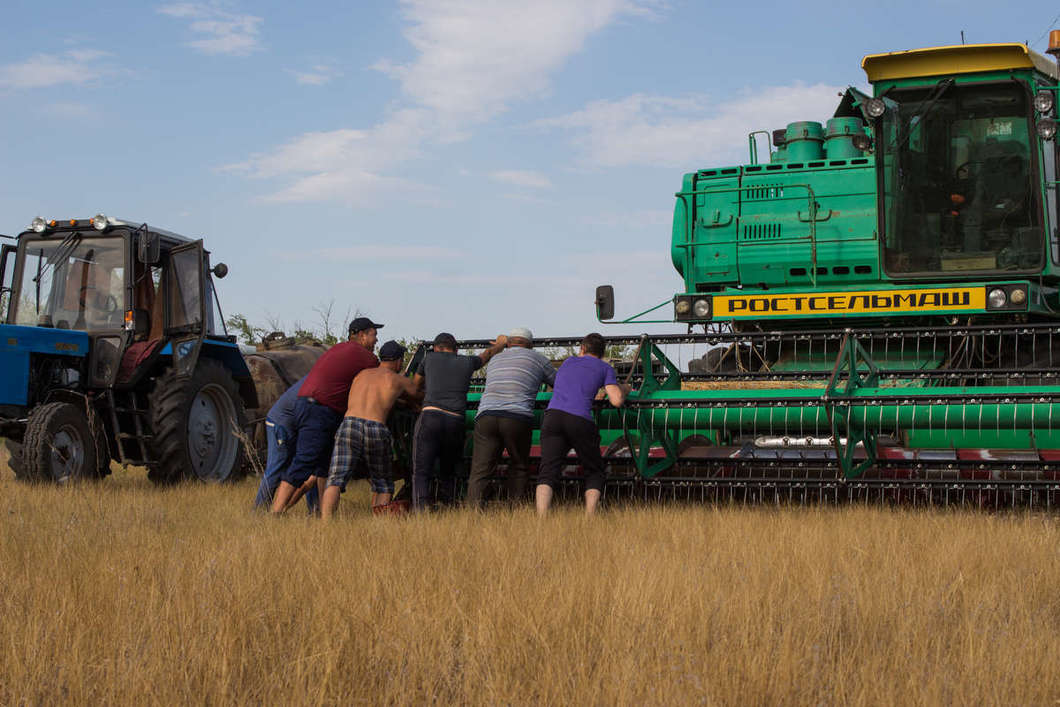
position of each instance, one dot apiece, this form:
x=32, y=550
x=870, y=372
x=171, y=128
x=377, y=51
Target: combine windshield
x=958, y=180
x=72, y=283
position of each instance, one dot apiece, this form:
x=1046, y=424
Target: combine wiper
x=940, y=88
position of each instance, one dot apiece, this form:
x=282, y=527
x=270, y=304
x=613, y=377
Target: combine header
x=878, y=302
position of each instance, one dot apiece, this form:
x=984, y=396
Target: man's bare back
x=374, y=392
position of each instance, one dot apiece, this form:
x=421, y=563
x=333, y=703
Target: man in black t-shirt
x=439, y=433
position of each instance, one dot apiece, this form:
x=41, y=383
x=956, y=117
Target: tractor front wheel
x=197, y=423
x=59, y=446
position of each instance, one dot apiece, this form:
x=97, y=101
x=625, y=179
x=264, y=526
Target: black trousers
x=493, y=435
x=438, y=438
x=561, y=432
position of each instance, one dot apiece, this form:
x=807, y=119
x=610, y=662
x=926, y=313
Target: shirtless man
x=363, y=433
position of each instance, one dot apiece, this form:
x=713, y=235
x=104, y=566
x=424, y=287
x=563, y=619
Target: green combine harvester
x=879, y=297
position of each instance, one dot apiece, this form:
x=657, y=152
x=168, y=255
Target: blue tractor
x=114, y=348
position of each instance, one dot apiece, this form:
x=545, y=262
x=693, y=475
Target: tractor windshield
x=958, y=180
x=72, y=283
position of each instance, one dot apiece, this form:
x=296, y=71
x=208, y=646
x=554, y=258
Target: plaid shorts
x=362, y=440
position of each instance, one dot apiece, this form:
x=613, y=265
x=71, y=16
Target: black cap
x=445, y=340
x=362, y=323
x=391, y=351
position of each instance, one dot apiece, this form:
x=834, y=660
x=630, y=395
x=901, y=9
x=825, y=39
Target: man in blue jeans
x=320, y=407
x=279, y=433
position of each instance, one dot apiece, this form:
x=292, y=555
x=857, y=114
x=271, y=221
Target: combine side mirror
x=148, y=250
x=605, y=302
x=220, y=270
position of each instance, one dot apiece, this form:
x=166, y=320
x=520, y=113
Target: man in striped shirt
x=505, y=417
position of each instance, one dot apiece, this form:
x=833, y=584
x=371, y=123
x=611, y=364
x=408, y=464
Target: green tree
x=242, y=328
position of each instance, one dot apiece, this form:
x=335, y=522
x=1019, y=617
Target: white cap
x=521, y=332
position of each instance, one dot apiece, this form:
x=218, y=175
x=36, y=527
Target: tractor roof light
x=1043, y=102
x=875, y=108
x=38, y=225
x=996, y=298
x=99, y=222
x=1046, y=128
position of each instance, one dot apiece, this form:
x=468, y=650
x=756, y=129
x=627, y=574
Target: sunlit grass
x=121, y=592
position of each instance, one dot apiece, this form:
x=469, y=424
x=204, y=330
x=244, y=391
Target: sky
x=459, y=165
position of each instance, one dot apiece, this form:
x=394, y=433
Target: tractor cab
x=108, y=315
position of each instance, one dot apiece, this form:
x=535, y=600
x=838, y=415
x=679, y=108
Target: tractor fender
x=229, y=356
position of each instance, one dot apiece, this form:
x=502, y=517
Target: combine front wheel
x=197, y=422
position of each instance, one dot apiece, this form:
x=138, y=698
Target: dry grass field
x=119, y=592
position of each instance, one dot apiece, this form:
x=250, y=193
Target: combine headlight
x=875, y=107
x=1018, y=296
x=1046, y=128
x=996, y=298
x=99, y=222
x=1043, y=102
x=682, y=307
x=701, y=308
x=38, y=225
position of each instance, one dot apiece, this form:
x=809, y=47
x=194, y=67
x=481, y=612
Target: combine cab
x=114, y=348
x=878, y=302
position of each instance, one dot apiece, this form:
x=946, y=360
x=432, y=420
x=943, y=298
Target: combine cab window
x=72, y=283
x=959, y=184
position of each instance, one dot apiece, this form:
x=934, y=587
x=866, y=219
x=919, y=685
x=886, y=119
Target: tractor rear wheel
x=59, y=446
x=197, y=423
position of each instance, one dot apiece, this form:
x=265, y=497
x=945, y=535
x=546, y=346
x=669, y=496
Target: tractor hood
x=19, y=343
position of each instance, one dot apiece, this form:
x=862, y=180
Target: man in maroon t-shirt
x=320, y=407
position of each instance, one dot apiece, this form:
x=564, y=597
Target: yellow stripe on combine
x=850, y=302
x=955, y=59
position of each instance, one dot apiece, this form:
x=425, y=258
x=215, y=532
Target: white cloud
x=522, y=178
x=478, y=56
x=475, y=58
x=221, y=32
x=343, y=165
x=317, y=75
x=682, y=131
x=77, y=66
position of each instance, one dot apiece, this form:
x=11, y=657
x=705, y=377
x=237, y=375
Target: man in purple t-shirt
x=569, y=423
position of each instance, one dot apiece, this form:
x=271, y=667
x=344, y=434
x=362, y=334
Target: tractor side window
x=185, y=289
x=7, y=277
x=35, y=279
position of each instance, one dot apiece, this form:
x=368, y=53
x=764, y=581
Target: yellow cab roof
x=956, y=59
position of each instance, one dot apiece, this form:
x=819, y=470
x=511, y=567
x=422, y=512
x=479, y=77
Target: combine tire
x=197, y=424
x=58, y=446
